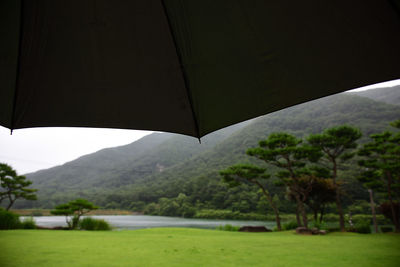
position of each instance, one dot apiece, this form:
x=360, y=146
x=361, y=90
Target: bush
x=380, y=219
x=333, y=229
x=102, y=225
x=91, y=224
x=363, y=227
x=289, y=226
x=386, y=210
x=386, y=229
x=9, y=220
x=36, y=213
x=28, y=223
x=230, y=215
x=228, y=227
x=331, y=217
x=319, y=225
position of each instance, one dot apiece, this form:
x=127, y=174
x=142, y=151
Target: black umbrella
x=188, y=67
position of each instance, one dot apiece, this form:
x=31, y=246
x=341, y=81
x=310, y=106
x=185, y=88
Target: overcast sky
x=29, y=150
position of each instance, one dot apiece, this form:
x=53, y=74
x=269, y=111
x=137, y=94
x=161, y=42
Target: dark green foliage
x=92, y=224
x=333, y=229
x=363, y=227
x=164, y=165
x=9, y=220
x=231, y=215
x=322, y=193
x=73, y=210
x=289, y=226
x=14, y=186
x=237, y=174
x=337, y=145
x=151, y=209
x=28, y=223
x=319, y=225
x=386, y=229
x=37, y=213
x=381, y=167
x=290, y=156
x=385, y=209
x=395, y=124
x=179, y=207
x=228, y=227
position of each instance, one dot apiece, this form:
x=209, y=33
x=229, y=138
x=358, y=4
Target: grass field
x=195, y=247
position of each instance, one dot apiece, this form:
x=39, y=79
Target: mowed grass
x=195, y=247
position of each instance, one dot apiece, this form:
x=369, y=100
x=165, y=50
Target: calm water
x=143, y=221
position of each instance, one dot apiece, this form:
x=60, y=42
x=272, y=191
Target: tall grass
x=9, y=220
x=228, y=227
x=92, y=224
x=28, y=223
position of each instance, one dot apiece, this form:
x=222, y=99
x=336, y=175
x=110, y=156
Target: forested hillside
x=388, y=95
x=164, y=169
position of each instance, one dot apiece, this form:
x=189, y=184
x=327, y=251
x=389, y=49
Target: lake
x=145, y=221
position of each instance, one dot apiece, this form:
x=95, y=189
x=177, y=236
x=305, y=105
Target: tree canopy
x=337, y=144
x=14, y=186
x=237, y=174
x=381, y=167
x=76, y=209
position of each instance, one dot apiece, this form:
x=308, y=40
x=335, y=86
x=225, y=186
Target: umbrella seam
x=21, y=26
x=184, y=74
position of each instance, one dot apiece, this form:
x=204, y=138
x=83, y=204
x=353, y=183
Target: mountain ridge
x=160, y=160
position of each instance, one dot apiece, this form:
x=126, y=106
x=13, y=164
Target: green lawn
x=194, y=247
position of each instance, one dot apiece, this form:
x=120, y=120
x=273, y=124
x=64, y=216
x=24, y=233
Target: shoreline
x=46, y=212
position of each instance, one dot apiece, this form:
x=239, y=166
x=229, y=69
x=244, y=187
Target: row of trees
x=308, y=169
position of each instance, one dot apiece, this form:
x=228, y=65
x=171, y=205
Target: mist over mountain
x=388, y=95
x=162, y=165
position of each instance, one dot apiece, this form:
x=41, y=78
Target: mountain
x=388, y=95
x=164, y=165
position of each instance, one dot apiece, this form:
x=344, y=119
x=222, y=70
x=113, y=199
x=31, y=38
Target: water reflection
x=143, y=221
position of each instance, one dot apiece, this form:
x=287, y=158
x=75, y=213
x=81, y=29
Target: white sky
x=29, y=150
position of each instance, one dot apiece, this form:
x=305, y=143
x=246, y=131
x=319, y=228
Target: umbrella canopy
x=188, y=67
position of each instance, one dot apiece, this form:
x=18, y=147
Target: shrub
x=363, y=227
x=230, y=215
x=102, y=225
x=380, y=219
x=9, y=220
x=228, y=227
x=289, y=226
x=91, y=224
x=37, y=213
x=28, y=223
x=319, y=225
x=386, y=229
x=333, y=229
x=386, y=210
x=331, y=217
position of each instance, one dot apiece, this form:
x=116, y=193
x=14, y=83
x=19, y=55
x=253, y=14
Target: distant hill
x=164, y=165
x=388, y=95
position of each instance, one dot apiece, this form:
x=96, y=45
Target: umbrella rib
x=14, y=107
x=184, y=74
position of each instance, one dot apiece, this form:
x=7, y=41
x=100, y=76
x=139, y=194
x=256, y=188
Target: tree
x=336, y=143
x=381, y=166
x=322, y=193
x=286, y=152
x=14, y=186
x=237, y=174
x=73, y=211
